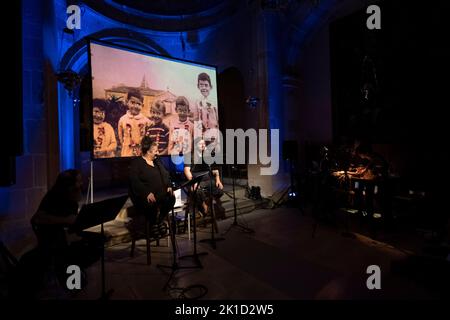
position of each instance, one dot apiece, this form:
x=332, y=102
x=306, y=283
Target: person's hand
x=72, y=237
x=151, y=198
x=71, y=219
x=194, y=187
x=219, y=184
x=361, y=170
x=169, y=190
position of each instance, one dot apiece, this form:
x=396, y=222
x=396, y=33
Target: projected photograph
x=136, y=94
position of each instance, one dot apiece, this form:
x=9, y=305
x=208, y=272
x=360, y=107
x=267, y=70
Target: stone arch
x=76, y=56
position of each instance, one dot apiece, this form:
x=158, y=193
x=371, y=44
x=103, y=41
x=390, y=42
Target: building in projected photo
x=119, y=93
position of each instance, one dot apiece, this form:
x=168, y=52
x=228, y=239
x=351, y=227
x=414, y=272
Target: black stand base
x=198, y=263
x=212, y=242
x=236, y=224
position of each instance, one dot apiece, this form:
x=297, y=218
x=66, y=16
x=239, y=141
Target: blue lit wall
x=274, y=72
x=19, y=202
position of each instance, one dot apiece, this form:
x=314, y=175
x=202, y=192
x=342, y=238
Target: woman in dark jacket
x=150, y=184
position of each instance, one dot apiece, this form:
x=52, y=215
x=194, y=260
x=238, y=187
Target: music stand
x=235, y=222
x=195, y=182
x=96, y=213
x=175, y=266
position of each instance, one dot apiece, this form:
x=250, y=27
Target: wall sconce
x=71, y=82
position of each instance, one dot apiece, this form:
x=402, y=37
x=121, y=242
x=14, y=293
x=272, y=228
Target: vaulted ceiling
x=166, y=15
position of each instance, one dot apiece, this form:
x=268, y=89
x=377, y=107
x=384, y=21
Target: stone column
x=268, y=57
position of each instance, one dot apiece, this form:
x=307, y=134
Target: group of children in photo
x=174, y=137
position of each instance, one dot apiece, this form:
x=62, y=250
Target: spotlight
x=292, y=195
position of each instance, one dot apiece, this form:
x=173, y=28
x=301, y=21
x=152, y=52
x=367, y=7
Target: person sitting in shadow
x=371, y=170
x=56, y=213
x=196, y=165
x=369, y=163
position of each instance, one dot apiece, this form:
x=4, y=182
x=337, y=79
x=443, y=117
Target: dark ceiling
x=169, y=7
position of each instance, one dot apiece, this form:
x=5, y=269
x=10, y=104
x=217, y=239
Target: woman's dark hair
x=146, y=144
x=66, y=180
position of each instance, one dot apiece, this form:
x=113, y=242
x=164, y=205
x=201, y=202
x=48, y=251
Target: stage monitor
x=136, y=93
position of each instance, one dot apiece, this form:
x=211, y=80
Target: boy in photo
x=131, y=127
x=157, y=130
x=105, y=143
x=181, y=129
x=206, y=111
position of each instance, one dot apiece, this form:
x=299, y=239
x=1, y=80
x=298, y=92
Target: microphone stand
x=175, y=266
x=235, y=222
x=195, y=255
x=105, y=294
x=213, y=240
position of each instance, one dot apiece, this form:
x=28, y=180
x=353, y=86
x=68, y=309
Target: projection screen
x=136, y=94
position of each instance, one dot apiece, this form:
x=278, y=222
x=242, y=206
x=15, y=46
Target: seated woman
x=197, y=165
x=56, y=213
x=150, y=184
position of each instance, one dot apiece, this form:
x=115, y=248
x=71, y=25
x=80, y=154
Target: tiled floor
x=280, y=260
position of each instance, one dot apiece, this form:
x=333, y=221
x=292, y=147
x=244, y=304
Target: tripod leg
x=216, y=227
x=133, y=245
x=147, y=238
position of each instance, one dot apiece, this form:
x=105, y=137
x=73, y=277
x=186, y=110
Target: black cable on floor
x=185, y=293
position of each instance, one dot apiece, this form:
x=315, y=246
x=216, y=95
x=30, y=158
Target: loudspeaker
x=7, y=171
x=290, y=150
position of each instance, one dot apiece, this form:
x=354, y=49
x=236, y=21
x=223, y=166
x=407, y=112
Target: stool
x=147, y=234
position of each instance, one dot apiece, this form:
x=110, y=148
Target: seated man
x=196, y=165
x=150, y=184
